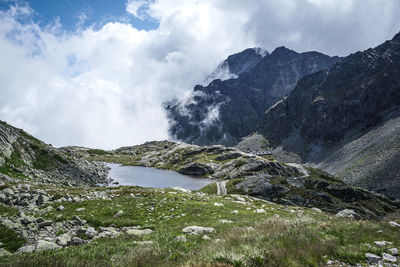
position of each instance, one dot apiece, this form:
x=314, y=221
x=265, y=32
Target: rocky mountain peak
x=282, y=50
x=227, y=109
x=237, y=64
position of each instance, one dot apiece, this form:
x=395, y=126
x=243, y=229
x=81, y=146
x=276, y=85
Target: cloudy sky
x=95, y=72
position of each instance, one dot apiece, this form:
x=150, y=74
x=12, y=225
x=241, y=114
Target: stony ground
x=76, y=226
x=248, y=174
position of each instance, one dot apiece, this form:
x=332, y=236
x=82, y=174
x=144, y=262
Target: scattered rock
x=394, y=224
x=225, y=221
x=78, y=220
x=119, y=213
x=60, y=208
x=348, y=213
x=180, y=238
x=42, y=199
x=80, y=209
x=45, y=224
x=372, y=258
x=26, y=249
x=43, y=245
x=91, y=232
x=235, y=212
x=317, y=209
x=206, y=237
x=76, y=241
x=394, y=251
x=197, y=230
x=218, y=204
x=138, y=232
x=259, y=211
x=388, y=257
x=381, y=243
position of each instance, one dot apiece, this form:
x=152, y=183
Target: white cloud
x=105, y=87
x=133, y=7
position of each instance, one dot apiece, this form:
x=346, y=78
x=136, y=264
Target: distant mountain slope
x=225, y=111
x=237, y=64
x=343, y=119
x=25, y=157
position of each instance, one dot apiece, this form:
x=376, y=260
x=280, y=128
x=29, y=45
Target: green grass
x=209, y=189
x=231, y=188
x=10, y=239
x=7, y=211
x=7, y=170
x=98, y=152
x=277, y=237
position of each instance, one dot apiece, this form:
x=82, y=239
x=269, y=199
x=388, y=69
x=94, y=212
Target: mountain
x=226, y=110
x=345, y=119
x=24, y=157
x=237, y=64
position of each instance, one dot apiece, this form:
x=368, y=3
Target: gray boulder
x=180, y=238
x=138, y=232
x=119, y=213
x=394, y=251
x=78, y=220
x=372, y=258
x=91, y=232
x=75, y=241
x=26, y=249
x=43, y=245
x=197, y=230
x=196, y=168
x=348, y=213
x=42, y=199
x=389, y=258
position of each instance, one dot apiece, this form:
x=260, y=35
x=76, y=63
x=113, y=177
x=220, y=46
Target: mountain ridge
x=341, y=103
x=225, y=111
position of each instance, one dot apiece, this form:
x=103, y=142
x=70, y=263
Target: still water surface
x=151, y=177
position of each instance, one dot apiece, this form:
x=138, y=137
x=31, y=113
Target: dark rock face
x=225, y=111
x=195, y=168
x=330, y=108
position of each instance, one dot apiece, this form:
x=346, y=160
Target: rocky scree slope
x=248, y=174
x=344, y=117
x=25, y=157
x=227, y=110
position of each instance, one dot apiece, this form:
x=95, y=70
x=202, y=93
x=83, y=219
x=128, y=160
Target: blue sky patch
x=74, y=14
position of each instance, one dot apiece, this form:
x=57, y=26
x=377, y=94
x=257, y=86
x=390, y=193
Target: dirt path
x=300, y=168
x=221, y=188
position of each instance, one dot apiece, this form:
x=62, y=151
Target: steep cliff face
x=333, y=108
x=24, y=157
x=225, y=111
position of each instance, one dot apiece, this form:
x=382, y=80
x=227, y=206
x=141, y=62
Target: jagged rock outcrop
x=23, y=156
x=345, y=119
x=226, y=110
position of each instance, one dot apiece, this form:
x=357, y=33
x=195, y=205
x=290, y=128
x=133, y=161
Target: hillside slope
x=24, y=157
x=344, y=119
